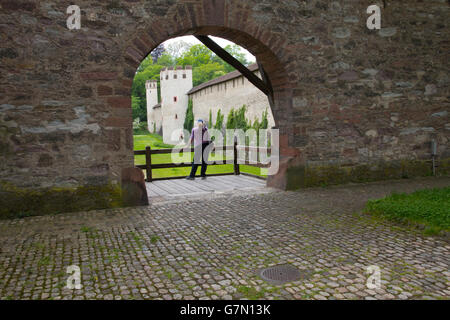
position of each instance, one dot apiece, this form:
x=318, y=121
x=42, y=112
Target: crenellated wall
x=351, y=104
x=230, y=94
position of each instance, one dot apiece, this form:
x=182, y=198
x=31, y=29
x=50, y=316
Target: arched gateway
x=351, y=104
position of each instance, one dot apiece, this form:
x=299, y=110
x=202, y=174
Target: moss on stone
x=443, y=168
x=295, y=177
x=22, y=202
x=324, y=175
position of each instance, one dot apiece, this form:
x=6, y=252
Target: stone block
x=97, y=76
x=387, y=32
x=103, y=90
x=134, y=192
x=119, y=102
x=341, y=33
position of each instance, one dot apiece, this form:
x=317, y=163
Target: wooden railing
x=148, y=166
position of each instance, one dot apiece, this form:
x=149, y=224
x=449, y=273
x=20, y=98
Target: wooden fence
x=148, y=166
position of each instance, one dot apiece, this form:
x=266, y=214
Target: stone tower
x=153, y=118
x=175, y=83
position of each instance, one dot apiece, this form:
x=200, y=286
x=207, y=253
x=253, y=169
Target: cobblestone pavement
x=210, y=249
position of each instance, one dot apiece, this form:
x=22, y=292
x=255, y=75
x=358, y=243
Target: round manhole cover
x=280, y=274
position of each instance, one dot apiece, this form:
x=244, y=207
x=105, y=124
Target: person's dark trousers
x=198, y=156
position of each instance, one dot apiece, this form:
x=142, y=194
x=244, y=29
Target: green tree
x=236, y=52
x=196, y=56
x=263, y=124
x=206, y=72
x=210, y=124
x=264, y=121
x=138, y=111
x=219, y=120
x=166, y=60
x=189, y=120
x=256, y=125
x=145, y=63
x=231, y=121
x=240, y=119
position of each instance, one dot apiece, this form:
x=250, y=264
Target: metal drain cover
x=280, y=274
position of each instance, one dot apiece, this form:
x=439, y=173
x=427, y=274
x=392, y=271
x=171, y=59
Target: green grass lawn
x=155, y=142
x=430, y=207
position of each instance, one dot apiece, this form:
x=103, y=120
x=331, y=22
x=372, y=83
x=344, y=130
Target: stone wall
x=370, y=102
x=345, y=96
x=228, y=95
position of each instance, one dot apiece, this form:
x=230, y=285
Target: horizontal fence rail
x=149, y=167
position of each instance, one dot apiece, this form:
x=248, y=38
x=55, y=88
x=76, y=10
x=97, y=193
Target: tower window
x=174, y=76
x=176, y=116
x=184, y=76
x=167, y=77
x=174, y=99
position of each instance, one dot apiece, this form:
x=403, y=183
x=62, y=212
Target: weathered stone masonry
x=351, y=104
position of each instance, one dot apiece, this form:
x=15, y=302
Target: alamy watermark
x=252, y=148
x=374, y=279
x=374, y=20
x=74, y=280
x=74, y=20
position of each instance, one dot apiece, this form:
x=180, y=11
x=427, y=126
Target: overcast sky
x=221, y=42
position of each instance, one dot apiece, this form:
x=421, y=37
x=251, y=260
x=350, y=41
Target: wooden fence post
x=148, y=163
x=236, y=164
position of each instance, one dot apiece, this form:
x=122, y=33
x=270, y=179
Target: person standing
x=200, y=137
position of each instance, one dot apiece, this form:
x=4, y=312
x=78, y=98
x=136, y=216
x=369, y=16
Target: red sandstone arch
x=232, y=22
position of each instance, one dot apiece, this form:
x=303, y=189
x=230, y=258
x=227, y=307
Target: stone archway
x=346, y=110
x=269, y=49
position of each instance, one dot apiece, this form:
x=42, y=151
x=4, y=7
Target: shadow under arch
x=270, y=49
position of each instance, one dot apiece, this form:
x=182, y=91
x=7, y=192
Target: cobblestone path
x=210, y=249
